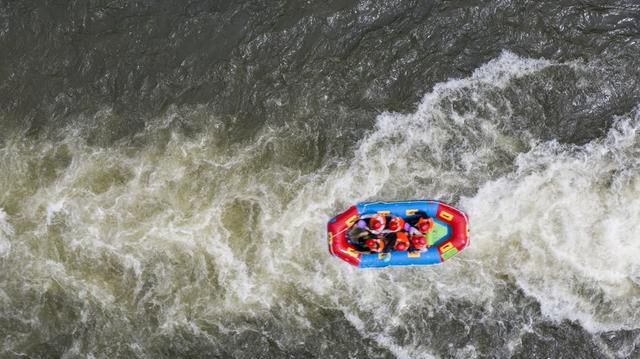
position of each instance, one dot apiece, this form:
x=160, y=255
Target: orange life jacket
x=424, y=225
x=402, y=241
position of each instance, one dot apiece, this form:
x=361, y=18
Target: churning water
x=167, y=171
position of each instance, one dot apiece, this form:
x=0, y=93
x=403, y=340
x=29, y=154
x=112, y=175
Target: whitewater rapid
x=171, y=232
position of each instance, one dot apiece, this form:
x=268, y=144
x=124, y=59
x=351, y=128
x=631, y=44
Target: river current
x=167, y=170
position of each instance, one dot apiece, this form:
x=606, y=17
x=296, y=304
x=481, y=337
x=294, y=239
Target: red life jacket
x=419, y=242
x=375, y=244
x=377, y=223
x=395, y=224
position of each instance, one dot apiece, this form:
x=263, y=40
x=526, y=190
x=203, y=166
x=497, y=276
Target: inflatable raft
x=448, y=236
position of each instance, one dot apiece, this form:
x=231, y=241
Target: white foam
x=564, y=224
x=406, y=156
x=6, y=231
x=568, y=237
x=497, y=73
x=159, y=221
x=53, y=209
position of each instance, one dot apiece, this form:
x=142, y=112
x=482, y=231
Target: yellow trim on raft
x=445, y=247
x=446, y=216
x=351, y=220
x=352, y=252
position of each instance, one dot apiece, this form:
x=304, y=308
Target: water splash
x=567, y=227
x=6, y=231
x=176, y=234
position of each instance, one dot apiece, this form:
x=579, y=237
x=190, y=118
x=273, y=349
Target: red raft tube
x=449, y=235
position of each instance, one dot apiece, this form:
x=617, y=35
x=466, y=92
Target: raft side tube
x=458, y=222
x=336, y=232
x=401, y=209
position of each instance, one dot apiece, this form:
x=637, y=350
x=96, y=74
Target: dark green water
x=167, y=170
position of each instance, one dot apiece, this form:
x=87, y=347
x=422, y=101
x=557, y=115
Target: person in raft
x=418, y=233
x=376, y=243
x=376, y=235
x=358, y=236
x=367, y=233
x=393, y=237
x=396, y=235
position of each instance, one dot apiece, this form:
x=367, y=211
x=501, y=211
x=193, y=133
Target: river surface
x=167, y=169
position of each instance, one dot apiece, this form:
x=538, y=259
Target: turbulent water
x=167, y=170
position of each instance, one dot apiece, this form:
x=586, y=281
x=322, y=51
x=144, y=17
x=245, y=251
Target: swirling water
x=167, y=171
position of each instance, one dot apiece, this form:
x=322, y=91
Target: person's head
x=396, y=224
x=402, y=241
x=377, y=222
x=419, y=242
x=424, y=225
x=401, y=246
x=375, y=244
